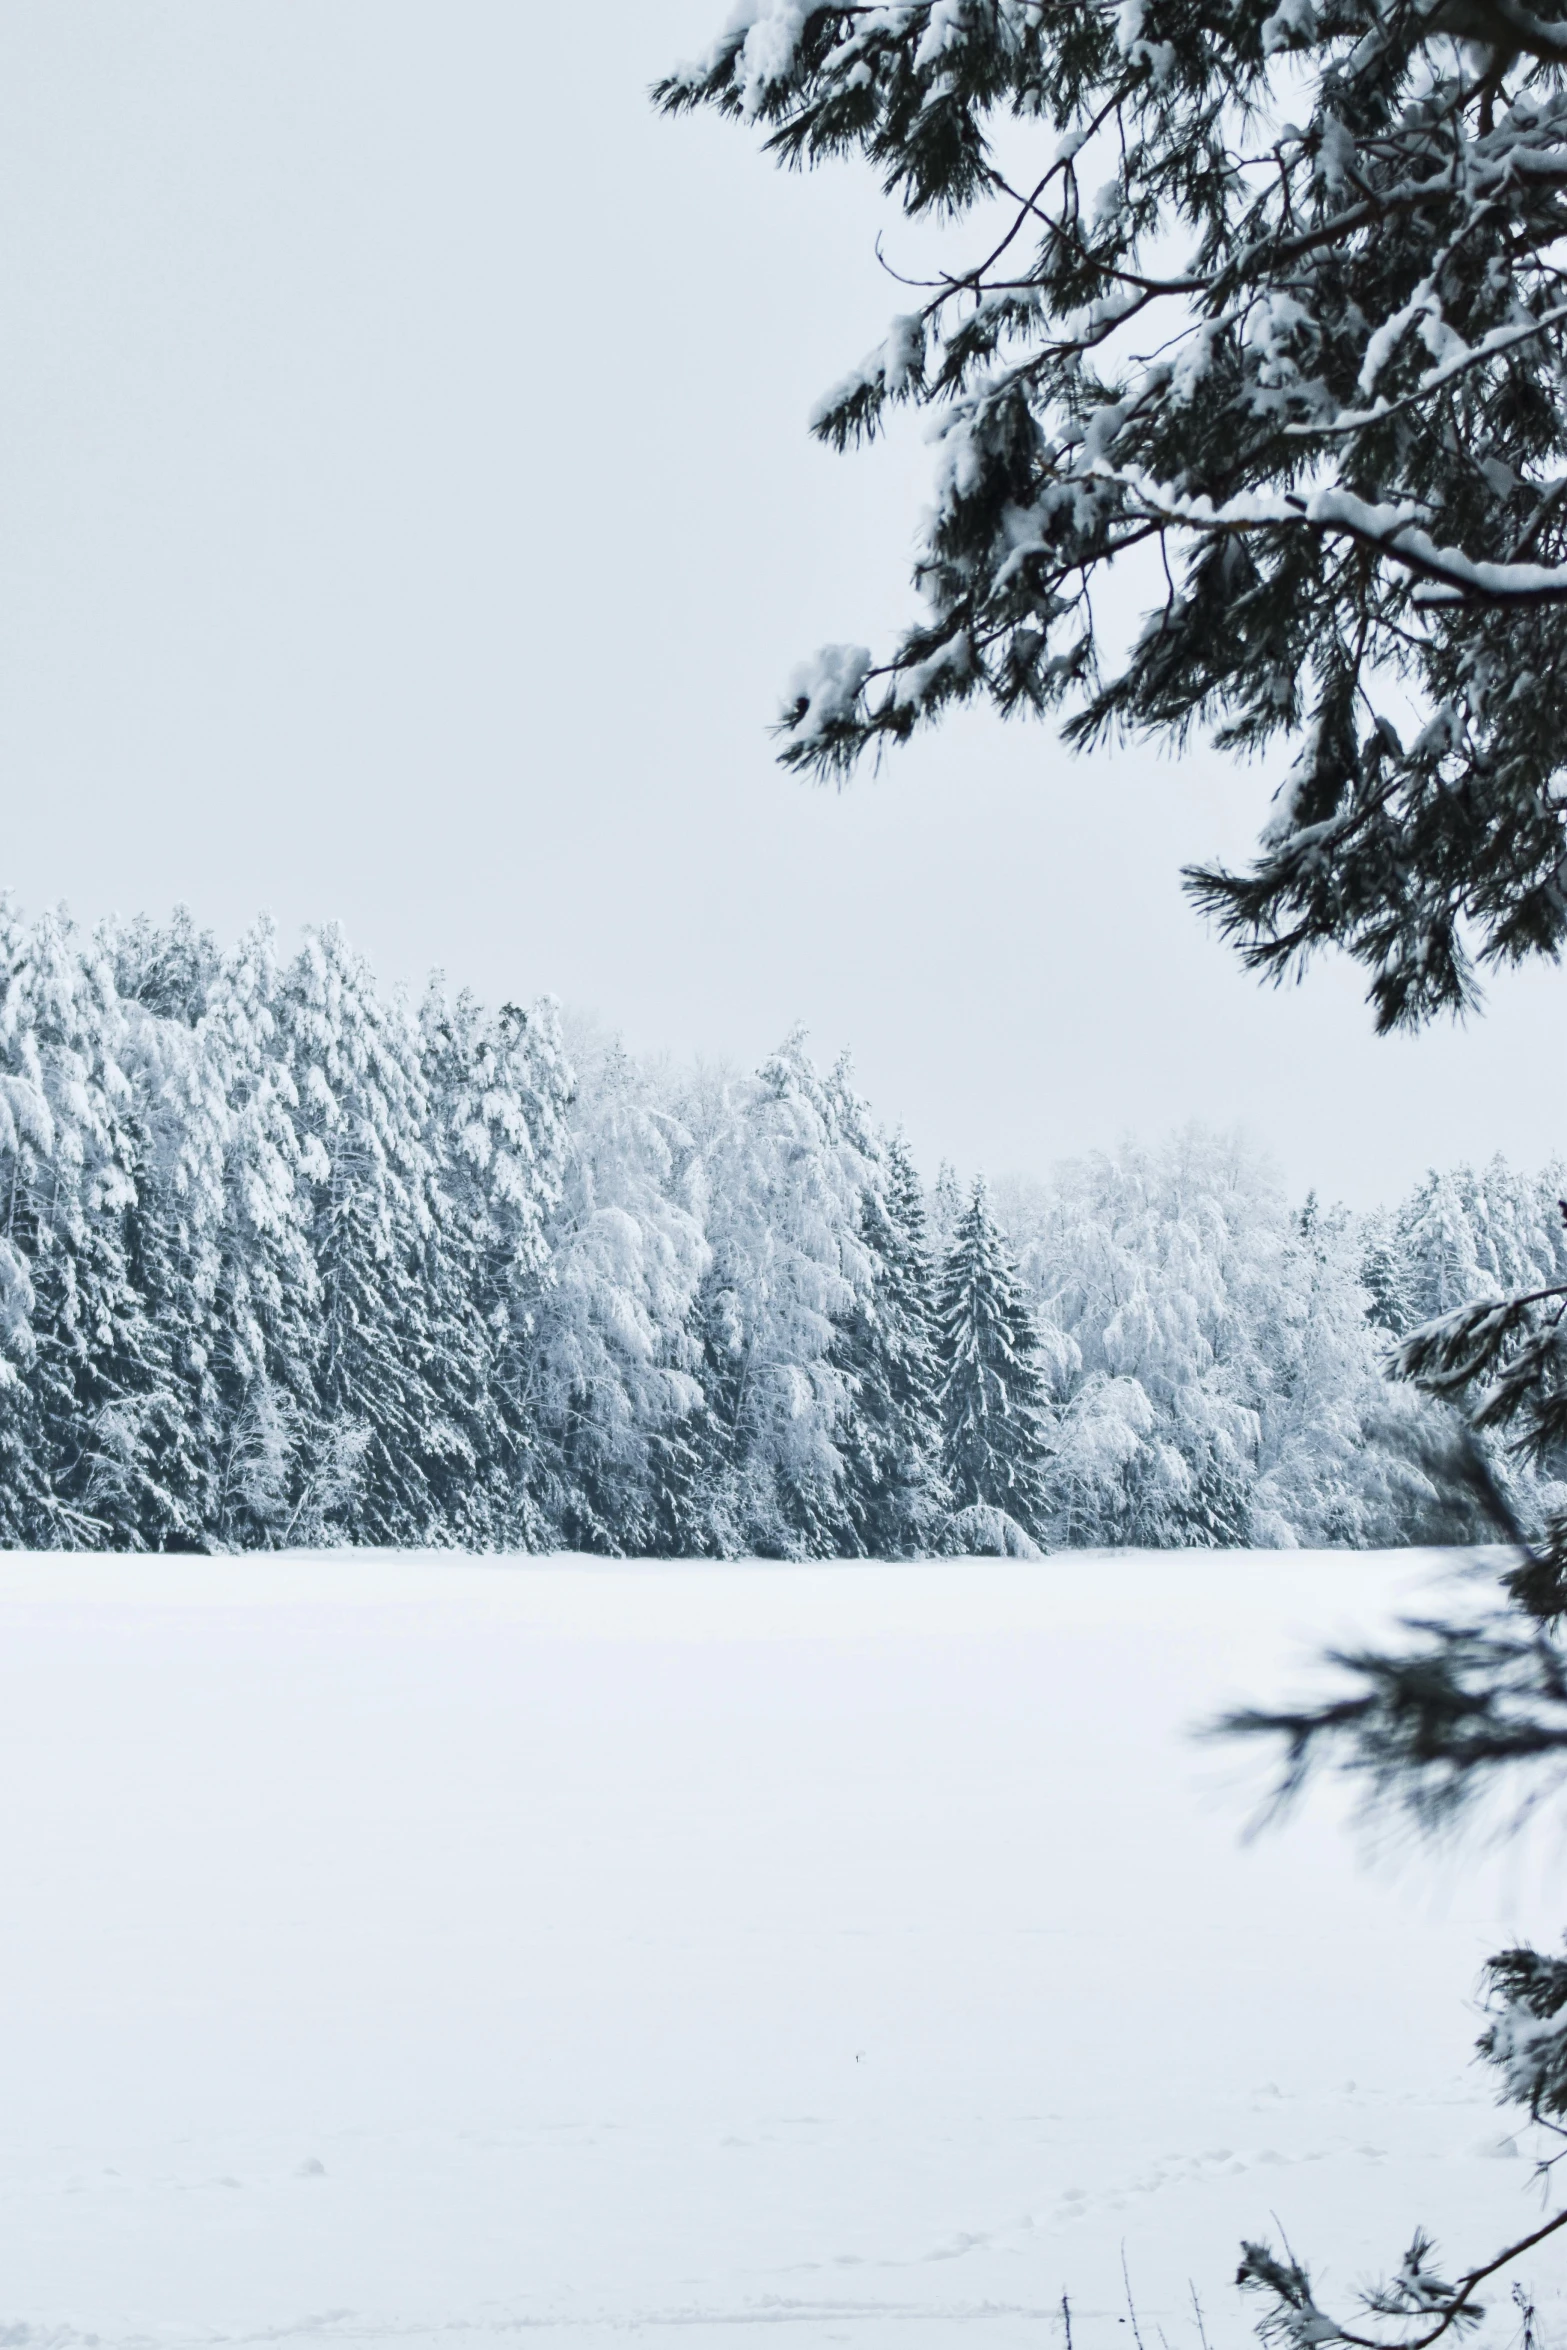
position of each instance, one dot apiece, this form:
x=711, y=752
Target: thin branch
x=1461, y=2299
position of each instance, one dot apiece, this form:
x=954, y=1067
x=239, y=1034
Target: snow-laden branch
x=1321, y=371
x=1395, y=532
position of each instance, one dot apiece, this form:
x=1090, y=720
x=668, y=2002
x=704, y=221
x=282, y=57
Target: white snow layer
x=402, y=1950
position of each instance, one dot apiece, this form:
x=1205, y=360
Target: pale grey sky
x=406, y=515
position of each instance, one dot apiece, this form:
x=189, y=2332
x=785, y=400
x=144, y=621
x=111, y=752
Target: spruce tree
x=495, y=1090
x=888, y=1346
x=30, y=1135
x=267, y=1306
x=362, y=1112
x=177, y=1116
x=991, y=1391
x=101, y=1406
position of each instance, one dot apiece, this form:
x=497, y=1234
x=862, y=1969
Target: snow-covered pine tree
x=267, y=1304
x=100, y=1402
x=29, y=1137
x=887, y=1345
x=946, y=1207
x=991, y=1392
x=1262, y=305
x=496, y=1089
x=176, y=1117
x=355, y=1065
x=1441, y=1265
x=1440, y=1247
x=1382, y=1272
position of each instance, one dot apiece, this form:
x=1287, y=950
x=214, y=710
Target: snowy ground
x=408, y=1951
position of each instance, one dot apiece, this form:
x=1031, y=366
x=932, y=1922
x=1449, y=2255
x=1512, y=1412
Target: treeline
x=288, y=1260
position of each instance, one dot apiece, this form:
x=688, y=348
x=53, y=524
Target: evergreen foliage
x=1462, y=1704
x=992, y=1391
x=889, y=1343
x=1260, y=304
x=285, y=1260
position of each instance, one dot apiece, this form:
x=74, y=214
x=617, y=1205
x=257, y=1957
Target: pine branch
x=1295, y=2318
x=1345, y=426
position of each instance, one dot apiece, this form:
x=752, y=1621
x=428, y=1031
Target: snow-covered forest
x=288, y=1258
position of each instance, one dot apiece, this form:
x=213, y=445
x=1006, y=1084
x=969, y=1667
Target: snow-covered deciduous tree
x=991, y=1388
x=1152, y=1270
x=1214, y=1371
x=1344, y=1459
x=1262, y=304
x=784, y=1185
x=615, y=1403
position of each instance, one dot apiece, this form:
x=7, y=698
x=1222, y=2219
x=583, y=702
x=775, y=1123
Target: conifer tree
x=946, y=1207
x=29, y=1138
x=362, y=1113
x=176, y=1120
x=495, y=1091
x=1382, y=1272
x=267, y=1302
x=992, y=1392
x=888, y=1346
x=101, y=1407
x=279, y=1264
x=1261, y=307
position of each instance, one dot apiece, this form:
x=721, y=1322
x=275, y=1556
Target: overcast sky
x=406, y=516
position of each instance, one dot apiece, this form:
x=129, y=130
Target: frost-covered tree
x=495, y=1091
x=615, y=1404
x=266, y=1306
x=1153, y=1270
x=1260, y=305
x=103, y=1415
x=1214, y=1374
x=1441, y=1267
x=281, y=1262
x=784, y=1185
x=29, y=1138
x=947, y=1203
x=381, y=1444
x=177, y=1119
x=1344, y=1460
x=888, y=1343
x=991, y=1388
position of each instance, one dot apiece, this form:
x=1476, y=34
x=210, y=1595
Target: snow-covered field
x=405, y=1950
